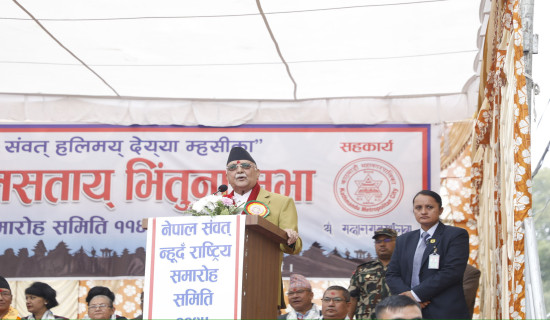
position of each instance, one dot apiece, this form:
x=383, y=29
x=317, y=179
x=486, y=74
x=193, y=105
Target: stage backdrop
x=73, y=197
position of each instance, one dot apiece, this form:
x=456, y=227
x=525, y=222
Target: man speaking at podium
x=242, y=174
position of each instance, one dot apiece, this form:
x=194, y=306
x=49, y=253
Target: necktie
x=417, y=262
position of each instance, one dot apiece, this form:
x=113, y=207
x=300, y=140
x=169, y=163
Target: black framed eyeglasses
x=387, y=240
x=244, y=165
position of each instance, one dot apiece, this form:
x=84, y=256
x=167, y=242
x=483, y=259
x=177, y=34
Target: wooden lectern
x=261, y=269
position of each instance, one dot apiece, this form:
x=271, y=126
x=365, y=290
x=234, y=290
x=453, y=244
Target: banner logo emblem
x=368, y=187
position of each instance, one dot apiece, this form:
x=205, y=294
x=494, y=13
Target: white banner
x=194, y=268
x=73, y=197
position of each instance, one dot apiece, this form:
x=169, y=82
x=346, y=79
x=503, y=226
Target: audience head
x=336, y=302
x=384, y=243
x=398, y=307
x=100, y=307
x=299, y=293
x=99, y=290
x=40, y=297
x=100, y=303
x=5, y=297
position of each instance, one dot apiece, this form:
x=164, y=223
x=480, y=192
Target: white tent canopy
x=348, y=61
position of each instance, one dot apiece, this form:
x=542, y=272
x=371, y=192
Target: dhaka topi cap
x=4, y=283
x=43, y=290
x=239, y=153
x=386, y=232
x=100, y=291
x=298, y=281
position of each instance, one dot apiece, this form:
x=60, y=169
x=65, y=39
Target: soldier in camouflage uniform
x=368, y=282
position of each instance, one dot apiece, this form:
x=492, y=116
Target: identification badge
x=433, y=262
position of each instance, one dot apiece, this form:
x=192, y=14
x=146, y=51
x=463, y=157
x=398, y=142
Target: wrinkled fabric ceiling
x=241, y=50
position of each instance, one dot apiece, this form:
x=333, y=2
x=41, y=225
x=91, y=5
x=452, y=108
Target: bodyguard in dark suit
x=436, y=282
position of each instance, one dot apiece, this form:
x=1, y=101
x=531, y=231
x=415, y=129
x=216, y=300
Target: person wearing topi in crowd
x=428, y=264
x=300, y=298
x=336, y=303
x=368, y=283
x=40, y=298
x=398, y=307
x=6, y=309
x=100, y=303
x=242, y=174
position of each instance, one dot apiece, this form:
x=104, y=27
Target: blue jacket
x=443, y=286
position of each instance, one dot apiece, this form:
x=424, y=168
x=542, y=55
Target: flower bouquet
x=214, y=205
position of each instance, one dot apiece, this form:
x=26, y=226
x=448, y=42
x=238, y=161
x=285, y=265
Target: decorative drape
x=501, y=167
x=456, y=185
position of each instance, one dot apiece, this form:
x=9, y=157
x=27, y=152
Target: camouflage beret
x=385, y=231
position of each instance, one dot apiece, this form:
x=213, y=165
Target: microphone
x=222, y=188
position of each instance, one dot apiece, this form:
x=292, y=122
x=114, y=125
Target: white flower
x=129, y=306
x=474, y=240
x=517, y=142
x=520, y=201
x=467, y=208
x=130, y=290
x=524, y=126
x=458, y=216
x=467, y=161
x=118, y=298
x=453, y=184
x=471, y=224
x=455, y=201
x=518, y=227
x=460, y=172
x=82, y=307
x=82, y=291
x=520, y=67
x=520, y=171
x=214, y=205
x=526, y=154
x=507, y=19
x=199, y=205
x=466, y=193
x=206, y=202
x=473, y=254
x=519, y=260
x=519, y=288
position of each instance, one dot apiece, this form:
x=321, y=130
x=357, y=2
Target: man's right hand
x=409, y=294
